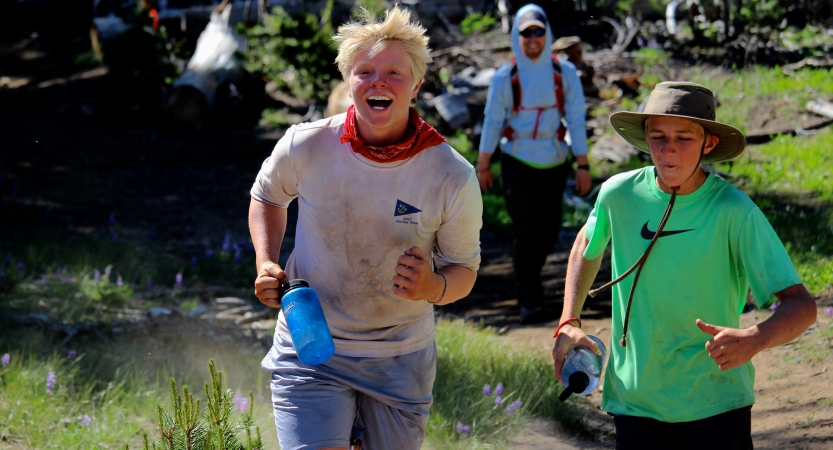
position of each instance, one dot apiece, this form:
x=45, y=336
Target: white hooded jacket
x=538, y=91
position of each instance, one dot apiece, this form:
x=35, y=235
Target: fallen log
x=821, y=107
x=213, y=68
x=787, y=69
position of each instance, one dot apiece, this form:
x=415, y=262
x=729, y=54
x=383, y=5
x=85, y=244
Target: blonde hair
x=372, y=36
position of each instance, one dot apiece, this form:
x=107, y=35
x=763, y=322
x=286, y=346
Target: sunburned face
x=382, y=88
x=675, y=145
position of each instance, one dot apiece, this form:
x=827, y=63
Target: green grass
x=741, y=92
x=471, y=357
x=119, y=385
x=79, y=412
x=790, y=180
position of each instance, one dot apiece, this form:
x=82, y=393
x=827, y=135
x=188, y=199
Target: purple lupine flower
x=86, y=421
x=5, y=360
x=498, y=400
x=7, y=261
x=194, y=261
x=149, y=284
x=112, y=218
x=107, y=271
x=487, y=390
x=72, y=354
x=50, y=382
x=652, y=43
x=178, y=281
x=20, y=266
x=227, y=242
x=463, y=429
x=513, y=407
x=241, y=403
x=96, y=276
x=209, y=253
x=2, y=274
x=119, y=281
x=499, y=389
x=640, y=42
x=237, y=253
x=829, y=312
x=798, y=359
x=113, y=236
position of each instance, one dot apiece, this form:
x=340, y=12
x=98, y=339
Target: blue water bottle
x=582, y=370
x=307, y=325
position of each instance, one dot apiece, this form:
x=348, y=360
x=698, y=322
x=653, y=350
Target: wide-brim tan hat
x=688, y=101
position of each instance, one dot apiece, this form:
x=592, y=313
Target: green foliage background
x=296, y=52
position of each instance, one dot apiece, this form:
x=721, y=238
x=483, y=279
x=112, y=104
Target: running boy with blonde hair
x=389, y=223
x=679, y=374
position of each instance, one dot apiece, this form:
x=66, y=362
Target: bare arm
x=733, y=347
x=580, y=275
x=267, y=225
x=415, y=279
x=484, y=173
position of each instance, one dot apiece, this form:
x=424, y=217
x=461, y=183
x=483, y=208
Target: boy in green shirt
x=680, y=376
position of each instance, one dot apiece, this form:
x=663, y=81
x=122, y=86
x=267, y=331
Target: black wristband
x=584, y=167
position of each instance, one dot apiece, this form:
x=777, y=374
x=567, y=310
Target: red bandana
x=420, y=136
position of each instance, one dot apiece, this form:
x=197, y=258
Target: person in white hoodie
x=530, y=101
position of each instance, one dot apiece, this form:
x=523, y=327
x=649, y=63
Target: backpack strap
x=515, y=83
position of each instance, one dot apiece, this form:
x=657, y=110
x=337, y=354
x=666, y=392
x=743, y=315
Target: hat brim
x=630, y=125
x=526, y=24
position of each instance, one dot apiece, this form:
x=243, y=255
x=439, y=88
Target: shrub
x=477, y=23
x=296, y=52
x=216, y=430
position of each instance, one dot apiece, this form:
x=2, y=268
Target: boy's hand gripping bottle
x=306, y=322
x=582, y=370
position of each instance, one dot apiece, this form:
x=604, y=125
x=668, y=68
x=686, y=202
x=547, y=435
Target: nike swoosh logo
x=648, y=234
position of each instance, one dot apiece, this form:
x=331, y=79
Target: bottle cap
x=578, y=383
x=291, y=284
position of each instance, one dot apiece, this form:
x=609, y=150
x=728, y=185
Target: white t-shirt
x=356, y=217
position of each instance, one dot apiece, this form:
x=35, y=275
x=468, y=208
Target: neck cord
x=640, y=263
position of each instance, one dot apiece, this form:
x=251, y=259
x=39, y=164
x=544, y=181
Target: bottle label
x=288, y=308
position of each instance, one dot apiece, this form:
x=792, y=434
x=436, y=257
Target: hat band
x=680, y=104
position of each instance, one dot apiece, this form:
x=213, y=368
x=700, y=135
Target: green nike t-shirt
x=716, y=245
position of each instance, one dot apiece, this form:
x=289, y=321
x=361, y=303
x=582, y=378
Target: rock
x=157, y=311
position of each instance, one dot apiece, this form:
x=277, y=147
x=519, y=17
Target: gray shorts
x=382, y=401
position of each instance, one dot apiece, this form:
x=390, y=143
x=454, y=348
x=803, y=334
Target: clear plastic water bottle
x=307, y=324
x=582, y=370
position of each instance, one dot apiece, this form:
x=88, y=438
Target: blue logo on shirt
x=403, y=208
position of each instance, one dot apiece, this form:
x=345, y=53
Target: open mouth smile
x=379, y=102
